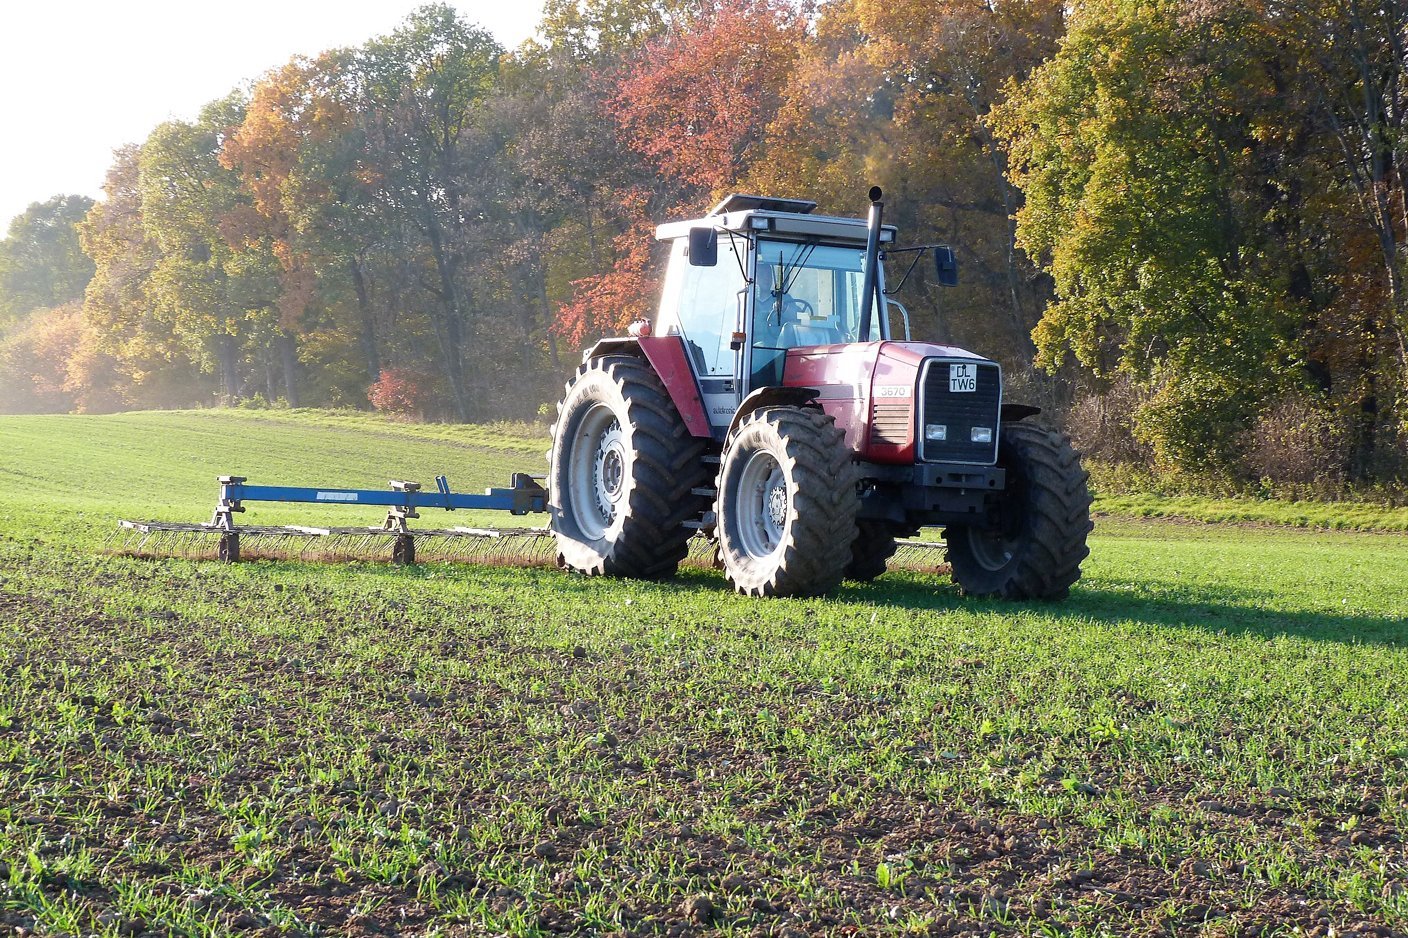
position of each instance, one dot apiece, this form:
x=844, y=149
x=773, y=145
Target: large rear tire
x=1036, y=552
x=622, y=473
x=873, y=547
x=786, y=503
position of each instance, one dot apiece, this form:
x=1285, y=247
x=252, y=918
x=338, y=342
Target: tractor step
x=707, y=520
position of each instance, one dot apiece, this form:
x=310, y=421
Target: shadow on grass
x=1154, y=604
x=1224, y=609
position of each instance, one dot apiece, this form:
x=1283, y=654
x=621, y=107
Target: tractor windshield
x=804, y=294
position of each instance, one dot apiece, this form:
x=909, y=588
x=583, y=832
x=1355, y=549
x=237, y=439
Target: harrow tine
x=502, y=546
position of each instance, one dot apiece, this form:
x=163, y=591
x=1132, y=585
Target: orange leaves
x=406, y=393
x=608, y=302
x=697, y=100
x=695, y=103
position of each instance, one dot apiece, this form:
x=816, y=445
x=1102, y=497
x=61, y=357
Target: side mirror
x=945, y=265
x=703, y=247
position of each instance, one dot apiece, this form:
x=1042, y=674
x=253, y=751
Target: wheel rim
x=763, y=505
x=991, y=549
x=597, y=472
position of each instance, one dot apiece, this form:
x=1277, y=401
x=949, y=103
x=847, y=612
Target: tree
x=1354, y=58
x=424, y=85
x=899, y=94
x=609, y=301
x=34, y=362
x=697, y=100
x=1146, y=198
x=949, y=64
x=569, y=191
x=596, y=33
x=1346, y=66
x=300, y=154
x=151, y=365
x=42, y=264
x=214, y=285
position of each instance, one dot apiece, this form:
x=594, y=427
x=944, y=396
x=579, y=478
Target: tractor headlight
x=982, y=434
x=936, y=431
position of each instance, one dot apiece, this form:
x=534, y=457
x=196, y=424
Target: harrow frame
x=524, y=495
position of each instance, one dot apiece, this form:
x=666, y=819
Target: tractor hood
x=873, y=391
x=859, y=365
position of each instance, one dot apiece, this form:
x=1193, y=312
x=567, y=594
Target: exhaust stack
x=872, y=262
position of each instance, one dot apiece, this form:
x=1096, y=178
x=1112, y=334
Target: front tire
x=786, y=504
x=622, y=473
x=1036, y=550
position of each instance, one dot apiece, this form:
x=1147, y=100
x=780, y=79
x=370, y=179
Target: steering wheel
x=792, y=306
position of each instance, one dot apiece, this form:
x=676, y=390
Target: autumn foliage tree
x=697, y=101
x=694, y=103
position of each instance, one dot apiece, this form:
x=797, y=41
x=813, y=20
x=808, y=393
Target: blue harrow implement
x=221, y=538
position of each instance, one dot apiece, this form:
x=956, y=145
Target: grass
x=72, y=477
x=1332, y=516
x=1208, y=738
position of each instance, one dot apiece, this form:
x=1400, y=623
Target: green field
x=1209, y=737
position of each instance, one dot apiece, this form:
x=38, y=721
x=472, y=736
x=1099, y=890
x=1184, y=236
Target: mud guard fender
x=771, y=397
x=670, y=361
x=1011, y=413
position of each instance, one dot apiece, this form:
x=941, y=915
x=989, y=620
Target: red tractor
x=768, y=406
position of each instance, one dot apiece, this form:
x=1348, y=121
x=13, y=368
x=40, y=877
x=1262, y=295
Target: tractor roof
x=785, y=217
x=742, y=203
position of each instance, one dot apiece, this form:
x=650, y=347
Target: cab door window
x=701, y=304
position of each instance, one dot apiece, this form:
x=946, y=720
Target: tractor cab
x=757, y=277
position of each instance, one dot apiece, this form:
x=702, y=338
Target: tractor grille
x=960, y=412
x=890, y=421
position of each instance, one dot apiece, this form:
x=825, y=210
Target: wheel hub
x=609, y=471
x=777, y=505
x=992, y=549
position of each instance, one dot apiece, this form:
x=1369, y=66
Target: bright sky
x=79, y=78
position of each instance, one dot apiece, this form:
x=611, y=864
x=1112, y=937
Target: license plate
x=962, y=378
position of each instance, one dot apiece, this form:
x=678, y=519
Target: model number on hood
x=892, y=390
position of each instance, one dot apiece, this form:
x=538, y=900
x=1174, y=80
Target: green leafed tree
x=42, y=264
x=1140, y=148
x=211, y=282
x=425, y=84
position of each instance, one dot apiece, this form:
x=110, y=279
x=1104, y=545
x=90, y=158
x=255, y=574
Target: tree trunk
x=288, y=355
x=547, y=321
x=368, y=321
x=227, y=354
x=450, y=332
